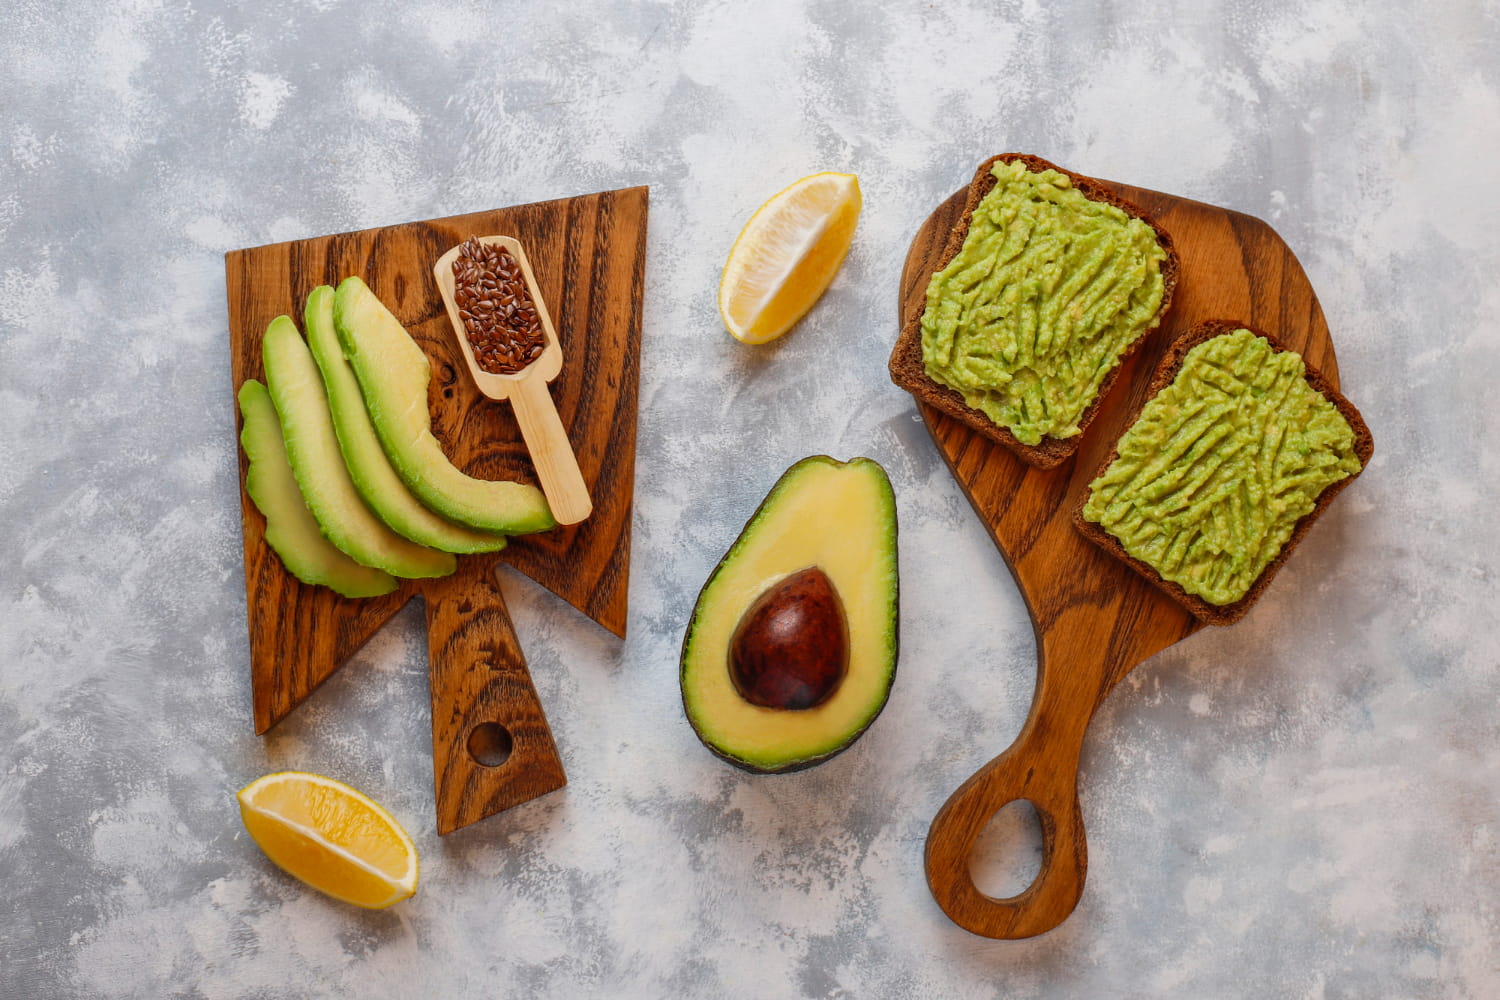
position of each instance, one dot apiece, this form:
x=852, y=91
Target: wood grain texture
x=541, y=428
x=588, y=254
x=1094, y=618
x=479, y=676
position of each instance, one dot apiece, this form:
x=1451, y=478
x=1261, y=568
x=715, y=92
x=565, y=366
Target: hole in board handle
x=1007, y=855
x=490, y=744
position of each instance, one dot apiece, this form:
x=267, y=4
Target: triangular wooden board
x=588, y=253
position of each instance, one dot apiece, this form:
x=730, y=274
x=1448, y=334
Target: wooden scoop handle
x=491, y=746
x=547, y=440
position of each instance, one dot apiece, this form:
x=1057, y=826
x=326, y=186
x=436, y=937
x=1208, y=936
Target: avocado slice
x=371, y=471
x=291, y=530
x=791, y=649
x=312, y=447
x=393, y=374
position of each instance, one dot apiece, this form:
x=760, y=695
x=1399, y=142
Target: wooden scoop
x=1095, y=619
x=546, y=440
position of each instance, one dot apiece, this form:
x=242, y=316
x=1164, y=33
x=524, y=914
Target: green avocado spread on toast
x=1036, y=309
x=1215, y=473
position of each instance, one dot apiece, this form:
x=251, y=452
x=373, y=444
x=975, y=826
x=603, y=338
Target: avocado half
x=831, y=521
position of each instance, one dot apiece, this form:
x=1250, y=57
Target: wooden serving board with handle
x=1095, y=619
x=588, y=254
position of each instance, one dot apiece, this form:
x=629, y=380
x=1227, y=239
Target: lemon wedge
x=332, y=837
x=787, y=255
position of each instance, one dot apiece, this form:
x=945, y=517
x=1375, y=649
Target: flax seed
x=499, y=316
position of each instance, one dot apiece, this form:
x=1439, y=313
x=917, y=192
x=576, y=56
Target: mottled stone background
x=1304, y=805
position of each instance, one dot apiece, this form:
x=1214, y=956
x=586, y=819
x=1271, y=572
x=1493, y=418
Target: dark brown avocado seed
x=791, y=648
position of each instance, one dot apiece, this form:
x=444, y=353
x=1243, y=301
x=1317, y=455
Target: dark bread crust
x=1166, y=371
x=909, y=372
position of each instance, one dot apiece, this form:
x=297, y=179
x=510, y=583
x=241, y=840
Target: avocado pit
x=790, y=650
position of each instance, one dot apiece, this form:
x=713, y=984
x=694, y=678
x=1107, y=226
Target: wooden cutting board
x=1094, y=619
x=588, y=254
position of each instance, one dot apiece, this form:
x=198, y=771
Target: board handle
x=491, y=746
x=1041, y=766
x=551, y=454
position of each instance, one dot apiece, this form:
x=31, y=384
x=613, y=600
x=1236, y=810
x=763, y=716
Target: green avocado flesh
x=371, y=471
x=291, y=530
x=1214, y=475
x=312, y=447
x=1036, y=309
x=393, y=374
x=839, y=518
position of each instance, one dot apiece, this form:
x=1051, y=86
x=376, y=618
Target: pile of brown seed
x=499, y=316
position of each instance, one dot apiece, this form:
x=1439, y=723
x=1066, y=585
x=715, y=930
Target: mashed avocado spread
x=1220, y=466
x=1048, y=290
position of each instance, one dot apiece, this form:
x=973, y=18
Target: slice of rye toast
x=910, y=373
x=1166, y=371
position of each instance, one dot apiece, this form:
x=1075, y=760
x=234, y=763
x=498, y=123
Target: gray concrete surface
x=1302, y=806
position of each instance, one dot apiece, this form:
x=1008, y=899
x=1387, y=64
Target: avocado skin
x=892, y=635
x=798, y=765
x=792, y=768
